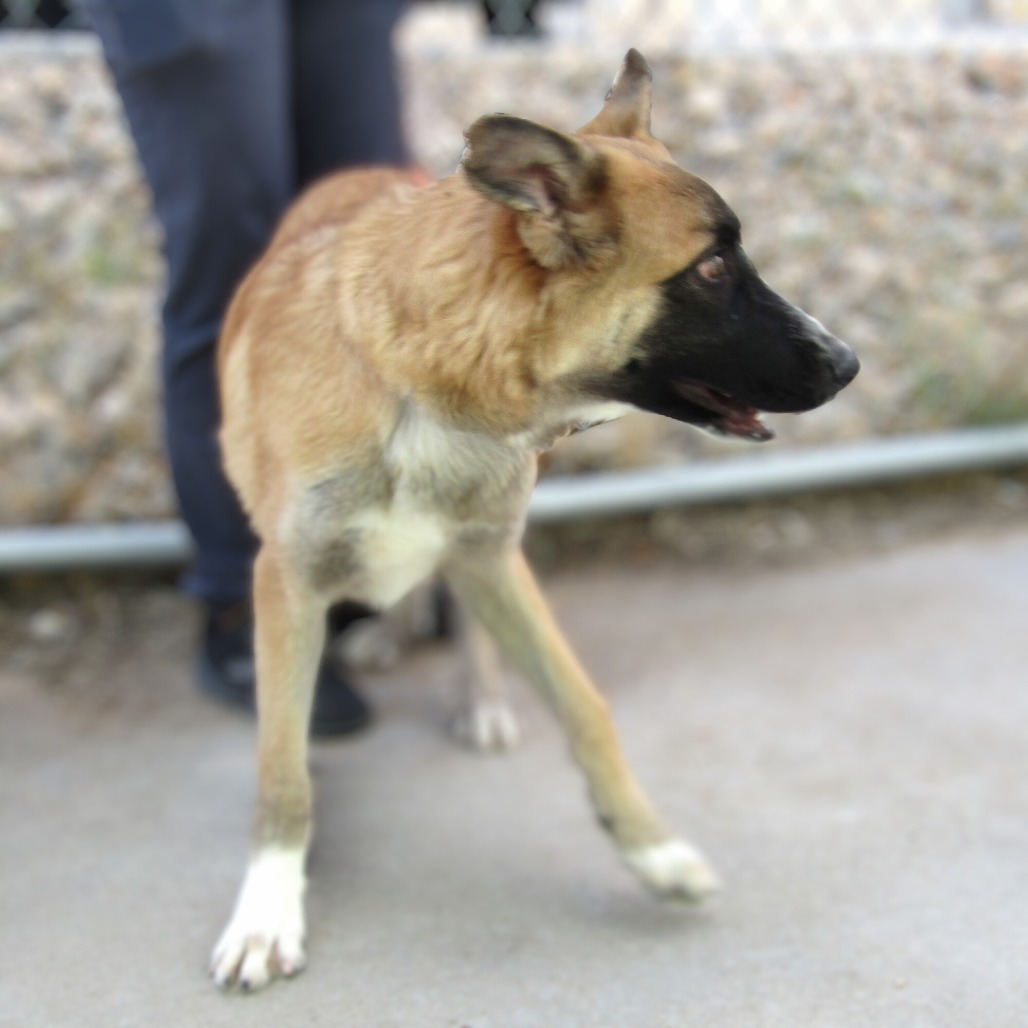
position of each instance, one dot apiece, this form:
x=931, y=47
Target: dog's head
x=681, y=322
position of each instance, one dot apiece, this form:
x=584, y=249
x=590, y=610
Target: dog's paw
x=674, y=870
x=489, y=727
x=250, y=957
x=264, y=938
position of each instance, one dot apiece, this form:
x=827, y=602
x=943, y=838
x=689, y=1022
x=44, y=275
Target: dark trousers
x=234, y=106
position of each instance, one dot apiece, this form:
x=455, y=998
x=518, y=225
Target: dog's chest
x=393, y=550
x=375, y=532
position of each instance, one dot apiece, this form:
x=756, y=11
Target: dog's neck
x=545, y=436
x=461, y=321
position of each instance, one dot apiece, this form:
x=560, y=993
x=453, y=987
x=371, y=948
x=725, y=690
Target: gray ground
x=845, y=738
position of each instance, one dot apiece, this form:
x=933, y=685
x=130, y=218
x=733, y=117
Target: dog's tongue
x=732, y=417
x=747, y=425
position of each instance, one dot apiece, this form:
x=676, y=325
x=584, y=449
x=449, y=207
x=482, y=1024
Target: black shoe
x=226, y=672
x=338, y=708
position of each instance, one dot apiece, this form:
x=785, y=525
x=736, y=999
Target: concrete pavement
x=847, y=742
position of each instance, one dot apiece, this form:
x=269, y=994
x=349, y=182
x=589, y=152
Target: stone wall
x=886, y=192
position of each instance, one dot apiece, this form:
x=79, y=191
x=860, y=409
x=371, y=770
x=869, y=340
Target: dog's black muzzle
x=718, y=362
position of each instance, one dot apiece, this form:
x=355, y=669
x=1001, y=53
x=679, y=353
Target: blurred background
x=876, y=151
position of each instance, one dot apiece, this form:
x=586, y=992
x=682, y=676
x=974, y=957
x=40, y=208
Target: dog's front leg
x=266, y=932
x=501, y=590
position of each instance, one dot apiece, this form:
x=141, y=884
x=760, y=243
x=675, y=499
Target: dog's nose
x=838, y=360
x=843, y=362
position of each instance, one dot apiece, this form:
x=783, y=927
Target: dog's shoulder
x=336, y=200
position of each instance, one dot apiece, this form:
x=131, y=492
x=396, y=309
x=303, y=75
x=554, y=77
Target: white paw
x=489, y=727
x=265, y=935
x=674, y=870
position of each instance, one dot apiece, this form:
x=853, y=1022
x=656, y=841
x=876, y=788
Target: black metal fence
x=499, y=17
x=39, y=14
x=739, y=22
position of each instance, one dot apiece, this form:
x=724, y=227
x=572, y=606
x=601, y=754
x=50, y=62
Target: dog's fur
x=392, y=366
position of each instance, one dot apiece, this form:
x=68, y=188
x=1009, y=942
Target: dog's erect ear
x=550, y=179
x=626, y=110
x=529, y=167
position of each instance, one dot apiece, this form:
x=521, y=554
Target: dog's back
x=283, y=317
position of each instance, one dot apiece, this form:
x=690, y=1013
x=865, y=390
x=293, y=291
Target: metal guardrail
x=850, y=465
x=162, y=544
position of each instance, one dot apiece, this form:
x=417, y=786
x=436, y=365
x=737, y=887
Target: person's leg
x=345, y=92
x=207, y=92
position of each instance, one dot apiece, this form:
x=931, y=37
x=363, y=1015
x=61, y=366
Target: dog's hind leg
x=502, y=592
x=265, y=935
x=485, y=720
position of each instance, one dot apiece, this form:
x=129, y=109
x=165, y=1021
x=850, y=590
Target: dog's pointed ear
x=626, y=109
x=552, y=180
x=529, y=167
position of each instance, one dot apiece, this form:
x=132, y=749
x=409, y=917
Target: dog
x=390, y=370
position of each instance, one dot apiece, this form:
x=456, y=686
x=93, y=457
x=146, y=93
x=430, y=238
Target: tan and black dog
x=390, y=370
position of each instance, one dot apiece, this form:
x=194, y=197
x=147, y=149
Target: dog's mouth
x=727, y=415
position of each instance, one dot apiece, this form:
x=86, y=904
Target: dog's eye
x=712, y=269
